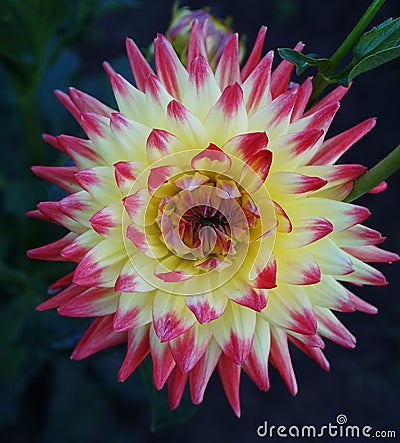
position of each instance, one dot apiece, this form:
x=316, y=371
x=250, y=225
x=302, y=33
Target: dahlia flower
x=207, y=220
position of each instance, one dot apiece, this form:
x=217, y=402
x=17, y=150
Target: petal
x=201, y=373
x=78, y=248
x=357, y=235
x=197, y=43
x=229, y=373
x=330, y=258
x=293, y=183
x=87, y=103
x=255, y=54
x=52, y=212
x=129, y=279
x=341, y=215
x=332, y=149
x=140, y=68
x=100, y=183
x=99, y=336
x=280, y=358
x=79, y=206
x=202, y=91
x=52, y=251
x=330, y=327
x=163, y=362
x=289, y=308
x=281, y=75
x=228, y=113
x=256, y=364
x=94, y=302
x=186, y=126
x=314, y=353
x=234, y=332
x=62, y=297
x=274, y=117
x=176, y=387
x=133, y=311
x=212, y=159
x=256, y=88
x=82, y=152
x=160, y=144
x=320, y=119
x=101, y=265
x=243, y=294
x=208, y=306
x=302, y=98
x=228, y=70
x=138, y=348
x=296, y=267
x=171, y=317
x=131, y=102
x=189, y=347
x=304, y=232
x=372, y=254
x=62, y=176
x=169, y=68
x=329, y=293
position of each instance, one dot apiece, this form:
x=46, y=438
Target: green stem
x=321, y=81
x=380, y=172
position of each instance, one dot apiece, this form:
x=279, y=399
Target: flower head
x=206, y=219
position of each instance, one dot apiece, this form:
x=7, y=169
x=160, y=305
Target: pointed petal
x=228, y=71
x=201, y=373
x=303, y=95
x=171, y=317
x=281, y=75
x=62, y=297
x=176, y=387
x=77, y=249
x=243, y=294
x=256, y=364
x=314, y=353
x=188, y=348
x=304, y=232
x=62, y=176
x=94, y=302
x=372, y=254
x=82, y=152
x=138, y=348
x=133, y=311
x=169, y=68
x=129, y=280
x=229, y=113
x=274, y=117
x=202, y=91
x=280, y=358
x=237, y=338
x=140, y=68
x=330, y=327
x=86, y=103
x=186, y=126
x=332, y=149
x=297, y=267
x=52, y=251
x=197, y=43
x=256, y=88
x=208, y=306
x=163, y=362
x=101, y=265
x=99, y=336
x=289, y=308
x=255, y=54
x=229, y=373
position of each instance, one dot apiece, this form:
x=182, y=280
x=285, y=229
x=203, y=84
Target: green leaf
x=380, y=38
x=302, y=61
x=162, y=416
x=369, y=63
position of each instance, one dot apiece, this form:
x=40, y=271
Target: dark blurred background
x=44, y=397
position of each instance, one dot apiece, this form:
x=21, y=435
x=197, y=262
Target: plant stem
x=321, y=81
x=380, y=172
